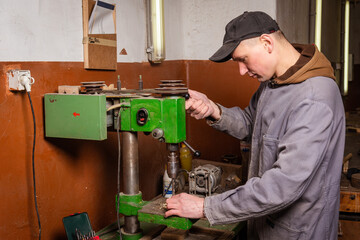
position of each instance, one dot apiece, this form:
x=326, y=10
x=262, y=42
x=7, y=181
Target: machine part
x=142, y=116
x=130, y=204
x=157, y=133
x=92, y=87
x=130, y=163
x=195, y=152
x=140, y=83
x=75, y=116
x=204, y=179
x=118, y=83
x=20, y=80
x=109, y=114
x=173, y=165
x=131, y=176
x=163, y=113
x=171, y=88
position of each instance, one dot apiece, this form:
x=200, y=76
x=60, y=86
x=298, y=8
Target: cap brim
x=224, y=53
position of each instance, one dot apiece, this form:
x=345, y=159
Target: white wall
x=204, y=23
x=49, y=30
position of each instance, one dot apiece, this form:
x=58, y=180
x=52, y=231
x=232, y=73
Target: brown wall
x=76, y=175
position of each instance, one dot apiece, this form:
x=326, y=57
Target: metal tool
x=195, y=152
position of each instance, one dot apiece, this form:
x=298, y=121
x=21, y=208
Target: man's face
x=254, y=59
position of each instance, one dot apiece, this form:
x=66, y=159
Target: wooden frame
x=99, y=49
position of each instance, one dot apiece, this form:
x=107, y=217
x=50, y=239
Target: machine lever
x=196, y=152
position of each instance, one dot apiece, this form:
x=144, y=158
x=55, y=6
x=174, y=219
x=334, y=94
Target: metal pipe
x=131, y=224
x=130, y=163
x=131, y=176
x=346, y=48
x=318, y=23
x=156, y=33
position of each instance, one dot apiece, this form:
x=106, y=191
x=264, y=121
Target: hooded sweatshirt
x=296, y=125
x=311, y=63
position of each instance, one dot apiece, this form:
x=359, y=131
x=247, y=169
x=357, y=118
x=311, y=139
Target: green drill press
x=159, y=112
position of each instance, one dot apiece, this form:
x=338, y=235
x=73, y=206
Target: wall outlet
x=19, y=80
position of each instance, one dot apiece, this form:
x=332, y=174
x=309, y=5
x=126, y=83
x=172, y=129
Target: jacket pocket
x=268, y=153
x=271, y=229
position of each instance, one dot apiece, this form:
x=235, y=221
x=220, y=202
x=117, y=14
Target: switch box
x=14, y=79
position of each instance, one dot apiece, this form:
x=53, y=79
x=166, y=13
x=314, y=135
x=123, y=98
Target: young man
x=296, y=124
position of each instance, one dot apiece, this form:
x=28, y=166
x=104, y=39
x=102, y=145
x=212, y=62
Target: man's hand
x=185, y=205
x=199, y=106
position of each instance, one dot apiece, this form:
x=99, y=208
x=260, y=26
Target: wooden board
x=350, y=201
x=98, y=54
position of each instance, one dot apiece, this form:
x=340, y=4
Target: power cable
x=33, y=165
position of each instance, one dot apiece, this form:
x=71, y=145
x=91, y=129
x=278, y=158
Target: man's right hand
x=199, y=106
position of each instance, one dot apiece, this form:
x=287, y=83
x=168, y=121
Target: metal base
x=129, y=236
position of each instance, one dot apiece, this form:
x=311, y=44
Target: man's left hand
x=185, y=205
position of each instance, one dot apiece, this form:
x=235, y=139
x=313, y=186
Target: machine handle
x=195, y=152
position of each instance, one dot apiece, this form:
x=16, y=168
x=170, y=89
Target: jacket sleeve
x=301, y=150
x=237, y=122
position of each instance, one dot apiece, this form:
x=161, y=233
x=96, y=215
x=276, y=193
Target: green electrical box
x=75, y=116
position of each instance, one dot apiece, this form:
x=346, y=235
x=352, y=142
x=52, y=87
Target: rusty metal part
x=92, y=87
x=171, y=81
x=171, y=88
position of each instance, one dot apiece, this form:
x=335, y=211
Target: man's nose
x=242, y=68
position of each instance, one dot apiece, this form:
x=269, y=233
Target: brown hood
x=311, y=63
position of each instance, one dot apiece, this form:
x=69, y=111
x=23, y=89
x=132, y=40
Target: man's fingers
x=188, y=103
x=196, y=104
x=172, y=212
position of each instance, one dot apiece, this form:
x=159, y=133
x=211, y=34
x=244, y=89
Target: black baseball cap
x=247, y=25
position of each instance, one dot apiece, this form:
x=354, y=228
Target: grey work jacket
x=297, y=145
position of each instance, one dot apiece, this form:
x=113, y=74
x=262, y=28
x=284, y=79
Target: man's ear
x=268, y=42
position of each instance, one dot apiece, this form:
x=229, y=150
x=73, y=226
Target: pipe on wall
x=318, y=23
x=155, y=31
x=346, y=48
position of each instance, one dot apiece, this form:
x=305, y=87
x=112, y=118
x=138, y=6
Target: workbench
x=349, y=227
x=201, y=230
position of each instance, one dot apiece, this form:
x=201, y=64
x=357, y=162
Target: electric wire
x=33, y=166
x=118, y=173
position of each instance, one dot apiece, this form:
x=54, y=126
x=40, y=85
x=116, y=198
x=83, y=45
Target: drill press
x=159, y=112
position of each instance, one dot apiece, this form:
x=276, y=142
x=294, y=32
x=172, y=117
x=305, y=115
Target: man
x=296, y=124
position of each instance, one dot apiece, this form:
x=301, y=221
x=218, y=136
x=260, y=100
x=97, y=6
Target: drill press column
x=131, y=176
